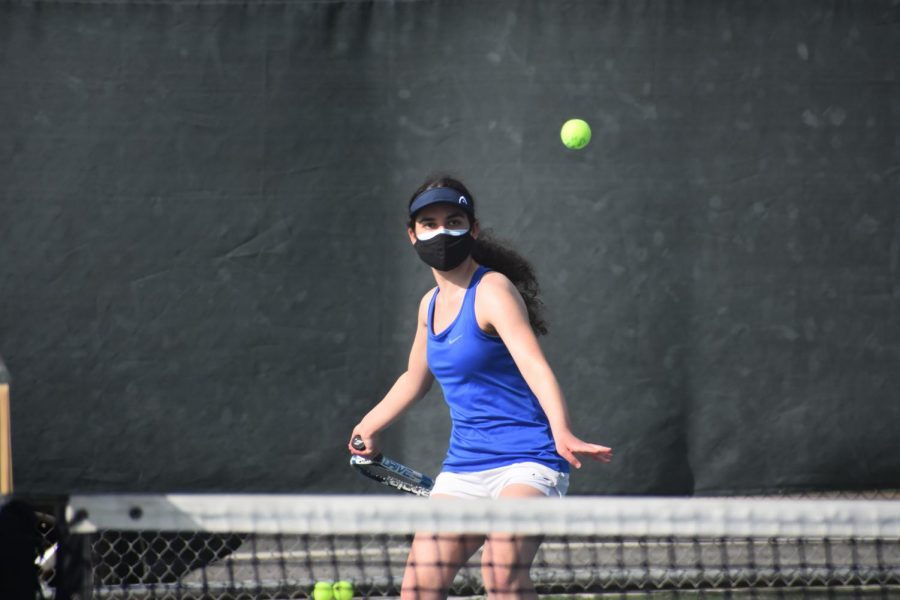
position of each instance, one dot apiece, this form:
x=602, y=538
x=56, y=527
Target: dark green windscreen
x=206, y=279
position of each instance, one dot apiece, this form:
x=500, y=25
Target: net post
x=6, y=474
x=74, y=570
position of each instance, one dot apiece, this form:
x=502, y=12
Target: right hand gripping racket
x=390, y=473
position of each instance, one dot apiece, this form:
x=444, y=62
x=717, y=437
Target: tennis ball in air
x=343, y=590
x=323, y=591
x=575, y=134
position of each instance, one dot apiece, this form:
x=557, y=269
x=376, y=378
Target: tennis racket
x=390, y=473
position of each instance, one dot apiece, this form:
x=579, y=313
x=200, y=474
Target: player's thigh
x=508, y=556
x=441, y=552
x=506, y=562
x=435, y=558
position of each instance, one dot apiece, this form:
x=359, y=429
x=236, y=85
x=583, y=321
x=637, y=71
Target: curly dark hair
x=496, y=255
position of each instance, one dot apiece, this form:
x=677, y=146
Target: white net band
x=578, y=516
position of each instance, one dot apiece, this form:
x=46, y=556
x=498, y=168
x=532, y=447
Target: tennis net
x=268, y=547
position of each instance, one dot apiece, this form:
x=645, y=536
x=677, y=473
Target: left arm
x=500, y=306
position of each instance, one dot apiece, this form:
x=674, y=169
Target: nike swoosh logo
x=454, y=340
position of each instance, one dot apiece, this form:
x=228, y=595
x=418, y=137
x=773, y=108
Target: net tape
x=578, y=516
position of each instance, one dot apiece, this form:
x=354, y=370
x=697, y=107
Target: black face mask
x=445, y=252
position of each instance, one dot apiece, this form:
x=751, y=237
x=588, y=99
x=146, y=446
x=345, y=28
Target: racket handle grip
x=358, y=443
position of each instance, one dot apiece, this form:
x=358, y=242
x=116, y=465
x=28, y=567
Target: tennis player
x=511, y=436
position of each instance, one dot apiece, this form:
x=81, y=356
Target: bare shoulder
x=498, y=302
x=498, y=293
x=497, y=283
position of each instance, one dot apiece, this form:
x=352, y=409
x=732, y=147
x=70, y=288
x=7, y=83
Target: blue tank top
x=497, y=420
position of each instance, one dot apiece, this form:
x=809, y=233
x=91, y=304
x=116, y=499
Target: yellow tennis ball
x=343, y=590
x=323, y=591
x=575, y=134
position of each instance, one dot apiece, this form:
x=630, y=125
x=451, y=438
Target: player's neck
x=457, y=278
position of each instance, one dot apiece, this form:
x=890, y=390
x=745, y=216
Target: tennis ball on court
x=323, y=591
x=343, y=590
x=575, y=134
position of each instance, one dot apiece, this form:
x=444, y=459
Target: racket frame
x=391, y=473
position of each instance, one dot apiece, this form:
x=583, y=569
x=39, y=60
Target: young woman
x=511, y=436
